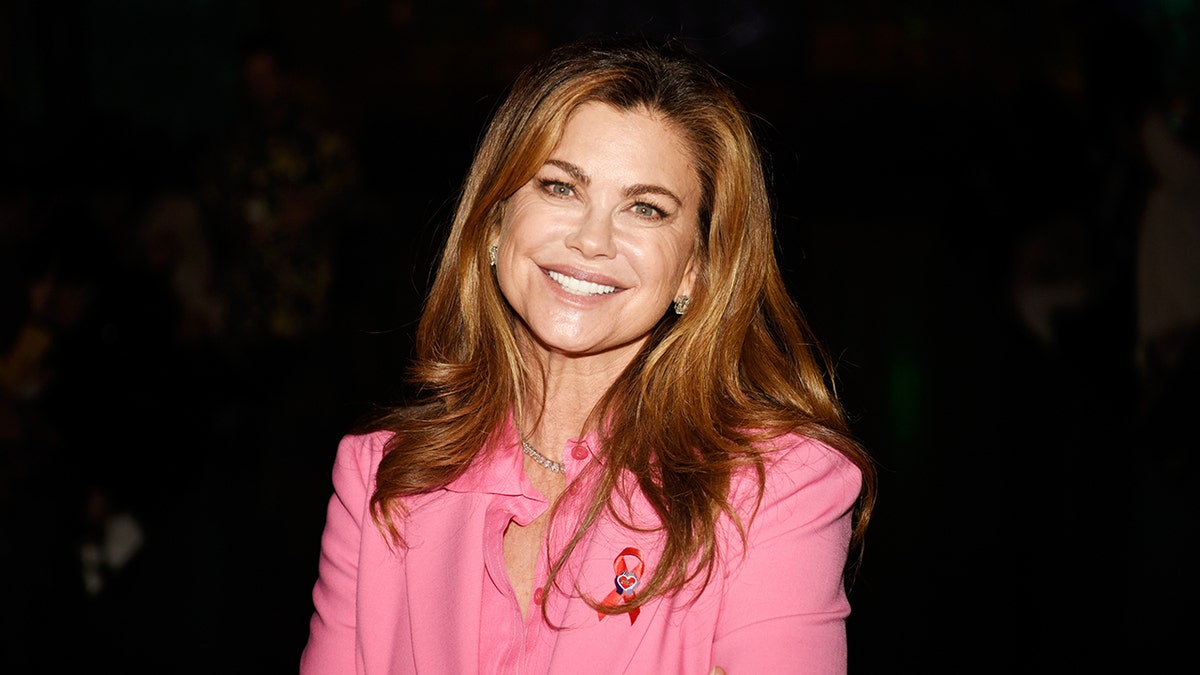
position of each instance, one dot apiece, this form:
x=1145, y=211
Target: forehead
x=637, y=140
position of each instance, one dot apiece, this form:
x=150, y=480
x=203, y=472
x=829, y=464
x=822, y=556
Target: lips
x=579, y=286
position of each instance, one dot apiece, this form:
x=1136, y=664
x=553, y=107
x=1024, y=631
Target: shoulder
x=797, y=454
x=359, y=454
x=802, y=474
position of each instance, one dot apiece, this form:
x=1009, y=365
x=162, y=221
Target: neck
x=557, y=406
x=560, y=421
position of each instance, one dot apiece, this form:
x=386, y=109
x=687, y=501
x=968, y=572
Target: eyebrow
x=580, y=176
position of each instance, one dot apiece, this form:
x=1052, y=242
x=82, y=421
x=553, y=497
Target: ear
x=493, y=234
x=498, y=221
x=688, y=281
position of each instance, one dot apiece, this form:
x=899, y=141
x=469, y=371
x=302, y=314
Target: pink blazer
x=444, y=604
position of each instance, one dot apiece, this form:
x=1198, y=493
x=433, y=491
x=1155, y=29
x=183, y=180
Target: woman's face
x=596, y=247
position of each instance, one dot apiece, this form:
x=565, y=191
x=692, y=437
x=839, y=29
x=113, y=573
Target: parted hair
x=708, y=389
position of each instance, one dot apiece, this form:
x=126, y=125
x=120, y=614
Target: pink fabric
x=444, y=604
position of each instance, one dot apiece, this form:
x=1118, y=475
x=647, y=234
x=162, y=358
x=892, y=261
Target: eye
x=648, y=210
x=557, y=187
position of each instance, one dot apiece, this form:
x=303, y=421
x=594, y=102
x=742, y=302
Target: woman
x=626, y=456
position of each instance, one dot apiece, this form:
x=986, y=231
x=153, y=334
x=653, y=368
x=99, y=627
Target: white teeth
x=579, y=287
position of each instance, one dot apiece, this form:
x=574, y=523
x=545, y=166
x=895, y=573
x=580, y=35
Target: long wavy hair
x=708, y=388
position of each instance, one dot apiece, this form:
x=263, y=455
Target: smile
x=579, y=287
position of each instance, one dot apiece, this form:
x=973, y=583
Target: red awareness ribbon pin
x=625, y=583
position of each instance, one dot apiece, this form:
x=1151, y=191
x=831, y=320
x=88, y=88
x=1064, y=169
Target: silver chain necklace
x=545, y=461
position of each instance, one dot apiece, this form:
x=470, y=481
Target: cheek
x=664, y=262
x=524, y=225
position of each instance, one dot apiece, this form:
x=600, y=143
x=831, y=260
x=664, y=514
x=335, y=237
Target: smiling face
x=599, y=243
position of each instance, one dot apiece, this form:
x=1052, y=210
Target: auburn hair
x=707, y=390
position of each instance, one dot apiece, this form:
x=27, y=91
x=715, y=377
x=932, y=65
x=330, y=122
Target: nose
x=593, y=234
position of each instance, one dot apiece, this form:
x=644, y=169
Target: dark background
x=224, y=286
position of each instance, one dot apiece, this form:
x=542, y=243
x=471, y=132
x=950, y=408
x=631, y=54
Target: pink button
x=579, y=453
x=537, y=595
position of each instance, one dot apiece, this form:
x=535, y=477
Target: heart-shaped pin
x=626, y=581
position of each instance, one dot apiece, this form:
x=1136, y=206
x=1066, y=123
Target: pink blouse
x=444, y=604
